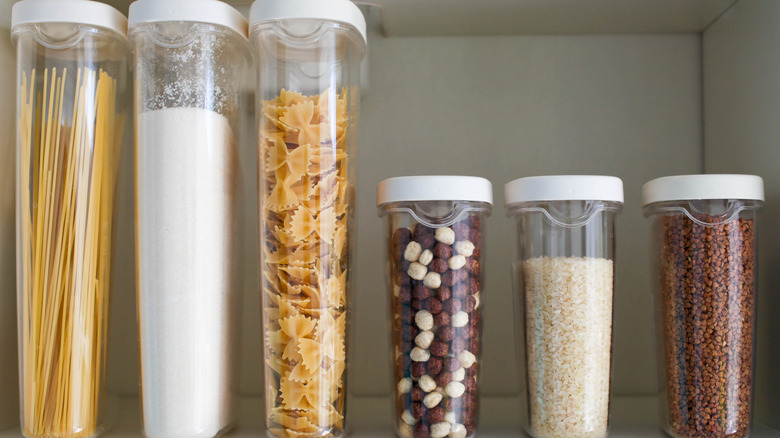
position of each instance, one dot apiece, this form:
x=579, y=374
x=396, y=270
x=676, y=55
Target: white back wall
x=502, y=108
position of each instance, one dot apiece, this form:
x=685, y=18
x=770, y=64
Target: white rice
x=568, y=323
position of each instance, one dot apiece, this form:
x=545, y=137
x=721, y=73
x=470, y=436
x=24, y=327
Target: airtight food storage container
x=435, y=233
x=565, y=276
x=190, y=59
x=72, y=100
x=705, y=250
x=308, y=55
x=9, y=389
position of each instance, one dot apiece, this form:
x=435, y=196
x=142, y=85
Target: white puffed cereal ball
x=427, y=383
x=445, y=235
x=432, y=280
x=455, y=389
x=419, y=355
x=424, y=339
x=459, y=375
x=459, y=319
x=412, y=251
x=432, y=400
x=458, y=431
x=440, y=430
x=476, y=300
x=424, y=320
x=450, y=417
x=404, y=385
x=426, y=257
x=408, y=417
x=464, y=248
x=417, y=271
x=456, y=262
x=405, y=430
x=466, y=359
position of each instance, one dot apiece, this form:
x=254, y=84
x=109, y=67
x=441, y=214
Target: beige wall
x=741, y=55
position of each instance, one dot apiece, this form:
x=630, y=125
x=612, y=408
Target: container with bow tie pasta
x=308, y=56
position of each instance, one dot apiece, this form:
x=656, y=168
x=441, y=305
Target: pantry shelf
x=370, y=417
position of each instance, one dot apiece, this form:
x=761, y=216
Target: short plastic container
x=190, y=59
x=705, y=250
x=565, y=282
x=308, y=55
x=435, y=230
x=9, y=382
x=72, y=97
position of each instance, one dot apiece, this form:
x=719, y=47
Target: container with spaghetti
x=308, y=56
x=72, y=89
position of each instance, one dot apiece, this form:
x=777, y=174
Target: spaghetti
x=68, y=161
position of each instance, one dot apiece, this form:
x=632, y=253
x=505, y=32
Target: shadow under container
x=435, y=231
x=9, y=374
x=705, y=262
x=564, y=280
x=72, y=100
x=308, y=55
x=190, y=59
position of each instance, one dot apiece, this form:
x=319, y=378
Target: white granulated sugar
x=568, y=322
x=186, y=171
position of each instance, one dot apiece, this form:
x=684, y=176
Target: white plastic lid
x=200, y=11
x=692, y=187
x=564, y=188
x=434, y=188
x=86, y=12
x=342, y=11
x=5, y=13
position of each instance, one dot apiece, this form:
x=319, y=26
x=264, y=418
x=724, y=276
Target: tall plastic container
x=435, y=231
x=190, y=56
x=72, y=78
x=705, y=250
x=9, y=382
x=565, y=282
x=308, y=55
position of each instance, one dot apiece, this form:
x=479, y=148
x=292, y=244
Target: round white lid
x=87, y=12
x=692, y=187
x=343, y=11
x=564, y=188
x=200, y=11
x=434, y=188
x=5, y=13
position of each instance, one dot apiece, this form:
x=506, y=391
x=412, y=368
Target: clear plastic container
x=565, y=280
x=190, y=57
x=435, y=229
x=9, y=383
x=705, y=251
x=73, y=83
x=308, y=55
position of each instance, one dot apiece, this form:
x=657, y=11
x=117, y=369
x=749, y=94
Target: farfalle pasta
x=305, y=214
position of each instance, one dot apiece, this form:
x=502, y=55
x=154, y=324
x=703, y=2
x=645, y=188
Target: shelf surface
x=534, y=17
x=371, y=417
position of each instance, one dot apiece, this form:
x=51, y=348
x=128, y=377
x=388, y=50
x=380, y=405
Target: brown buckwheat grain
x=707, y=307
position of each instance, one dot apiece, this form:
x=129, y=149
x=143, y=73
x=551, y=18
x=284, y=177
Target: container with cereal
x=308, y=55
x=704, y=238
x=435, y=229
x=565, y=280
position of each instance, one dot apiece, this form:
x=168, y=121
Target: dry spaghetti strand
x=69, y=138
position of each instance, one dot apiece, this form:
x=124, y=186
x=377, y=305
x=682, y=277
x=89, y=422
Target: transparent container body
x=9, y=383
x=307, y=103
x=565, y=282
x=188, y=84
x=436, y=283
x=72, y=97
x=705, y=257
